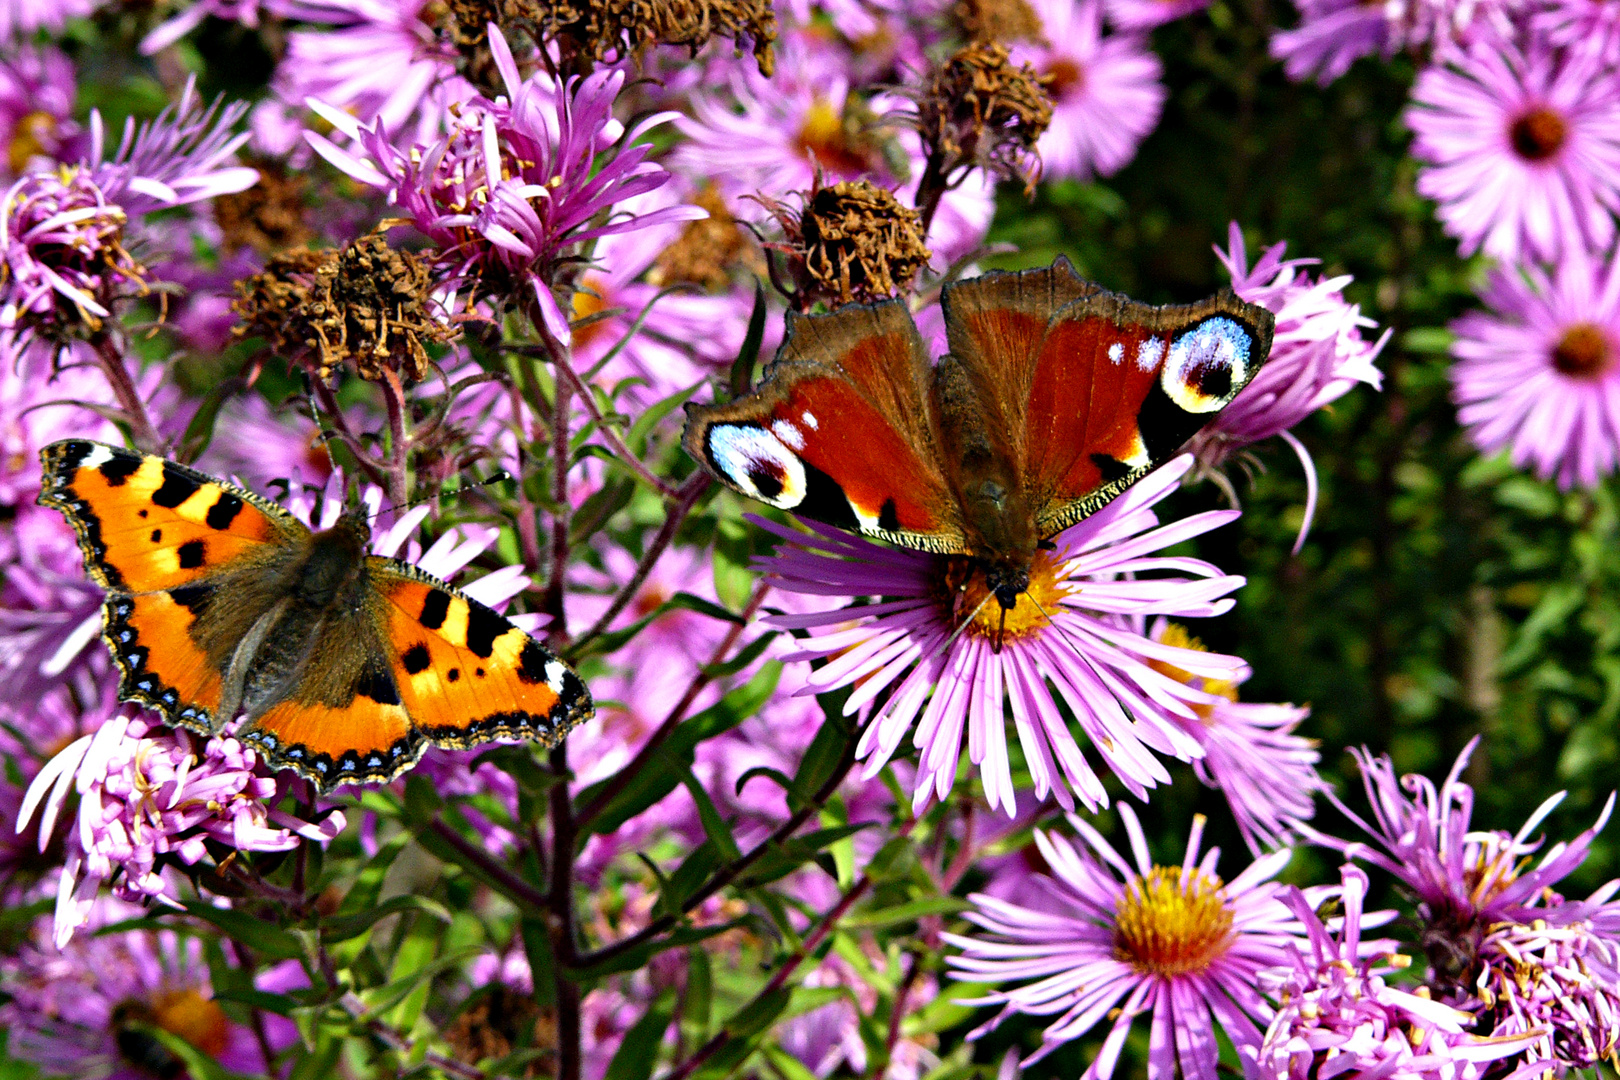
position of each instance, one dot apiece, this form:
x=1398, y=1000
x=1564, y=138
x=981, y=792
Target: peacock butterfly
x=1054, y=397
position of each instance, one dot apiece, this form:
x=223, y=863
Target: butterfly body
x=1055, y=396
x=346, y=665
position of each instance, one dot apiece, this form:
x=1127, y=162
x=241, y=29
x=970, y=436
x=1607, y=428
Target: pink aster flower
x=925, y=656
x=1523, y=149
x=1586, y=23
x=1465, y=880
x=37, y=86
x=381, y=64
x=20, y=18
x=1331, y=35
x=1106, y=94
x=518, y=181
x=1251, y=754
x=70, y=1008
x=1539, y=374
x=1556, y=987
x=1116, y=941
x=1318, y=354
x=1146, y=14
x=1338, y=1016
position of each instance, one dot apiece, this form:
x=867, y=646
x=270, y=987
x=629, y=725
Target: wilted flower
x=1537, y=375
x=1338, y=1016
x=516, y=183
x=982, y=110
x=850, y=242
x=1105, y=90
x=927, y=654
x=601, y=29
x=1523, y=149
x=1116, y=942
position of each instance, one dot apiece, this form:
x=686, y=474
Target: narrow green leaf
x=652, y=416
x=200, y=429
x=742, y=369
x=904, y=913
x=697, y=1004
x=267, y=939
x=344, y=927
x=745, y=656
x=638, y=1053
x=362, y=895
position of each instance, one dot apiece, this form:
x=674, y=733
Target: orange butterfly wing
x=155, y=534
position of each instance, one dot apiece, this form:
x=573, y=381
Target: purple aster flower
x=147, y=794
x=828, y=1038
x=1465, y=880
x=36, y=109
x=1146, y=14
x=71, y=1009
x=1105, y=89
x=1538, y=375
x=1556, y=987
x=1338, y=1016
x=518, y=181
x=925, y=655
x=1331, y=35
x=1117, y=942
x=183, y=156
x=381, y=64
x=1251, y=754
x=20, y=18
x=1586, y=23
x=1523, y=148
x=1318, y=355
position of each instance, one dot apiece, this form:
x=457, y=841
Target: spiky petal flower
x=1539, y=373
x=926, y=656
x=1337, y=1016
x=1555, y=987
x=516, y=183
x=1116, y=941
x=1318, y=355
x=1523, y=148
x=1465, y=880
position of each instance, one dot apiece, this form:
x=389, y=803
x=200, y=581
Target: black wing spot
x=824, y=500
x=140, y=513
x=415, y=659
x=376, y=684
x=177, y=487
x=191, y=554
x=453, y=675
x=766, y=478
x=435, y=608
x=119, y=469
x=889, y=517
x=194, y=598
x=224, y=511
x=157, y=536
x=483, y=627
x=532, y=663
x=478, y=672
x=1111, y=467
x=1215, y=380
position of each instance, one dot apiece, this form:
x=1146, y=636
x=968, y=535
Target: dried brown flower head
x=850, y=242
x=593, y=29
x=268, y=217
x=367, y=304
x=998, y=20
x=981, y=109
x=499, y=1021
x=708, y=252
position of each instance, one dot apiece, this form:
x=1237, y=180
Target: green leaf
x=745, y=656
x=422, y=800
x=733, y=554
x=599, y=507
x=785, y=857
x=265, y=938
x=742, y=368
x=688, y=877
x=638, y=1053
x=542, y=960
x=280, y=1004
x=714, y=826
x=344, y=927
x=200, y=429
x=635, y=959
x=697, y=1004
x=650, y=418
x=905, y=913
x=380, y=999
x=363, y=894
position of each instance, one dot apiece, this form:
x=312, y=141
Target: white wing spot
x=1149, y=353
x=809, y=420
x=1116, y=353
x=1215, y=353
x=759, y=464
x=789, y=434
x=554, y=676
x=98, y=456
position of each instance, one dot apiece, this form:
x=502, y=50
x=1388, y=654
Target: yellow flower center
x=972, y=600
x=1175, y=634
x=1172, y=922
x=28, y=139
x=834, y=140
x=590, y=298
x=194, y=1018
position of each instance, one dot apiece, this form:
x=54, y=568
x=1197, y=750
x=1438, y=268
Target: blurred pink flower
x=1334, y=1005
x=1123, y=941
x=1333, y=34
x=1106, y=94
x=37, y=128
x=20, y=18
x=1583, y=23
x=1146, y=14
x=1522, y=148
x=1539, y=373
x=928, y=649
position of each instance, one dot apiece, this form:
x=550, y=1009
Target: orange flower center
x=1538, y=134
x=1172, y=922
x=28, y=139
x=194, y=1018
x=590, y=298
x=972, y=601
x=1062, y=76
x=1584, y=351
x=829, y=138
x=1175, y=634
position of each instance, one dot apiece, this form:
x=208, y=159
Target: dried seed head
x=367, y=304
x=981, y=109
x=268, y=217
x=850, y=242
x=708, y=252
x=998, y=20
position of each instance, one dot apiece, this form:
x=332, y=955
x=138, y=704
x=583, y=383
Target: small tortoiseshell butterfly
x=347, y=665
x=1055, y=397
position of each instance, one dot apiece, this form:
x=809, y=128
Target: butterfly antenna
x=493, y=478
x=1055, y=625
x=963, y=625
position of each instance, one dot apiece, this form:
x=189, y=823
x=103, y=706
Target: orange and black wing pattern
x=158, y=536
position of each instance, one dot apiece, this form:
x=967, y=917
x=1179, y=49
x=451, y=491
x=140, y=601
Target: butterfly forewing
x=841, y=430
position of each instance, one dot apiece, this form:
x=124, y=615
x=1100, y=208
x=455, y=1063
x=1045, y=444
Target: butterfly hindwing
x=465, y=673
x=841, y=430
x=159, y=537
x=1119, y=387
